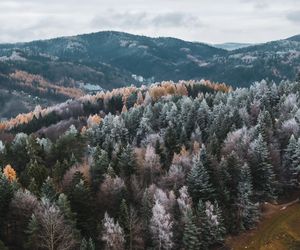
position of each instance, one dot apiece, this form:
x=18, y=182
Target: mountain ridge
x=109, y=59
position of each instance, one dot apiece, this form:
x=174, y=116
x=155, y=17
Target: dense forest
x=169, y=166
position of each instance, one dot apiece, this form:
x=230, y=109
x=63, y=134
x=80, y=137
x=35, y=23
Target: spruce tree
x=198, y=182
x=87, y=245
x=289, y=159
x=82, y=204
x=6, y=194
x=295, y=166
x=262, y=170
x=70, y=217
x=171, y=144
x=210, y=223
x=48, y=190
x=124, y=220
x=126, y=162
x=191, y=233
x=247, y=211
x=99, y=167
x=37, y=172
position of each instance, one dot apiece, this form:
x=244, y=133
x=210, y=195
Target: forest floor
x=279, y=229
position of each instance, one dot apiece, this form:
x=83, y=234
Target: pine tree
x=198, y=182
x=87, y=245
x=31, y=231
x=210, y=223
x=124, y=220
x=247, y=211
x=82, y=204
x=262, y=170
x=131, y=225
x=6, y=194
x=38, y=172
x=191, y=233
x=147, y=204
x=264, y=124
x=203, y=119
x=171, y=144
x=126, y=162
x=295, y=166
x=70, y=217
x=48, y=190
x=288, y=159
x=99, y=167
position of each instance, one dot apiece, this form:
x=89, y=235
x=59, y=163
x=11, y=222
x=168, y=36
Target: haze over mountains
x=54, y=70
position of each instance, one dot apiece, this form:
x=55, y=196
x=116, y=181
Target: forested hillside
x=51, y=71
x=169, y=166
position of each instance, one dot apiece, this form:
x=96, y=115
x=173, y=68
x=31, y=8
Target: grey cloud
x=195, y=20
x=138, y=20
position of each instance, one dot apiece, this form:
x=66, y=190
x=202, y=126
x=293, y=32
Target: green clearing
x=280, y=230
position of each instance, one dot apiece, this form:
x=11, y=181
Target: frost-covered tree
x=184, y=201
x=210, y=223
x=48, y=190
x=112, y=234
x=295, y=165
x=2, y=147
x=247, y=210
x=48, y=228
x=152, y=167
x=132, y=226
x=161, y=227
x=127, y=164
x=288, y=159
x=198, y=182
x=99, y=167
x=262, y=170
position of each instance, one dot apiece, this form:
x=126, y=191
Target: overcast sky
x=211, y=21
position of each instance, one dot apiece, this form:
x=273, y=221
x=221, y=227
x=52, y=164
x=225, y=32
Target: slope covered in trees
x=172, y=166
x=54, y=70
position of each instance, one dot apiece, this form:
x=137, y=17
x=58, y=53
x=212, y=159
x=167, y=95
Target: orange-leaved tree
x=10, y=173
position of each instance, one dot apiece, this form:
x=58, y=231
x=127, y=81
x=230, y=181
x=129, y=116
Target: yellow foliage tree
x=10, y=173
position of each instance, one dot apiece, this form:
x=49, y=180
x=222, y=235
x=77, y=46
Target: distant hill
x=49, y=71
x=232, y=46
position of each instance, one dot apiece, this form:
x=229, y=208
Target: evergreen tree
x=247, y=211
x=210, y=223
x=124, y=220
x=82, y=204
x=264, y=125
x=198, y=182
x=262, y=170
x=295, y=166
x=70, y=217
x=99, y=167
x=171, y=144
x=87, y=245
x=147, y=204
x=191, y=233
x=131, y=225
x=126, y=162
x=48, y=190
x=288, y=160
x=7, y=189
x=37, y=172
